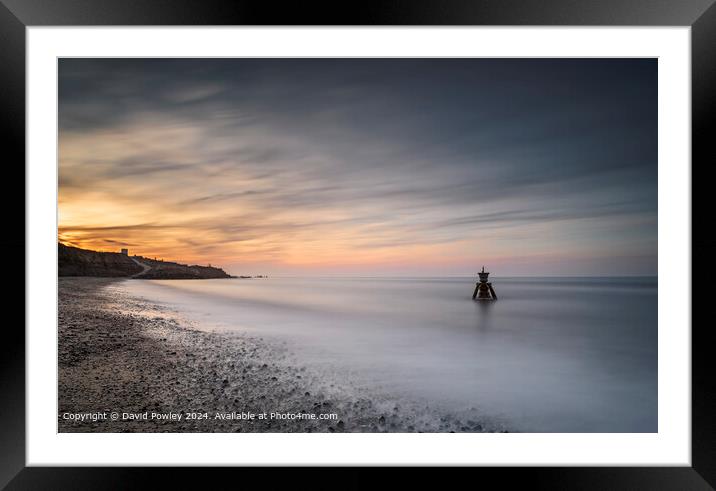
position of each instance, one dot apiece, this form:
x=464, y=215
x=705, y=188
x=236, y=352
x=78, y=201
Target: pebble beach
x=129, y=365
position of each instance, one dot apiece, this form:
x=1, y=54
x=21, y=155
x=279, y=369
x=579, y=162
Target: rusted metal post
x=492, y=291
x=483, y=289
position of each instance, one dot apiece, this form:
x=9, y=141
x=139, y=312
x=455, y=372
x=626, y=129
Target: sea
x=551, y=354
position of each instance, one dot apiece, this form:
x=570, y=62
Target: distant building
x=125, y=252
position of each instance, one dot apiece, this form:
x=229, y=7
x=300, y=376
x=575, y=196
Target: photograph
x=357, y=245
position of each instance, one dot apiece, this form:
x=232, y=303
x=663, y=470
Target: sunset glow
x=375, y=167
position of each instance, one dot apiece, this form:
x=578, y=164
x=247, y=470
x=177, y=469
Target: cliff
x=176, y=271
x=73, y=261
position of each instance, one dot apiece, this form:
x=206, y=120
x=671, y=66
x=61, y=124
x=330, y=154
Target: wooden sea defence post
x=483, y=289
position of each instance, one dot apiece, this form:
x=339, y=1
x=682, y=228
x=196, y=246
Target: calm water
x=551, y=355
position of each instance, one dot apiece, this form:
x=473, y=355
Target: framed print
x=422, y=236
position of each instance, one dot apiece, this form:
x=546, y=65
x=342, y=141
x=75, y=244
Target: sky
x=395, y=167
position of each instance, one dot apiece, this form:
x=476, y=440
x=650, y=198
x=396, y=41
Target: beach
x=127, y=364
x=553, y=354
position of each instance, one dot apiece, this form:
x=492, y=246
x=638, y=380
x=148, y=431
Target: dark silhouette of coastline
x=73, y=261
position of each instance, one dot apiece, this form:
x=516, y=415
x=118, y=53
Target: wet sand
x=124, y=356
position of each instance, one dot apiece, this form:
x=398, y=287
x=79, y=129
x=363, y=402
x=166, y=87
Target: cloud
x=289, y=161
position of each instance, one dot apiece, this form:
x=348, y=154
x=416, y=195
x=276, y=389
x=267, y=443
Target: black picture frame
x=16, y=15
